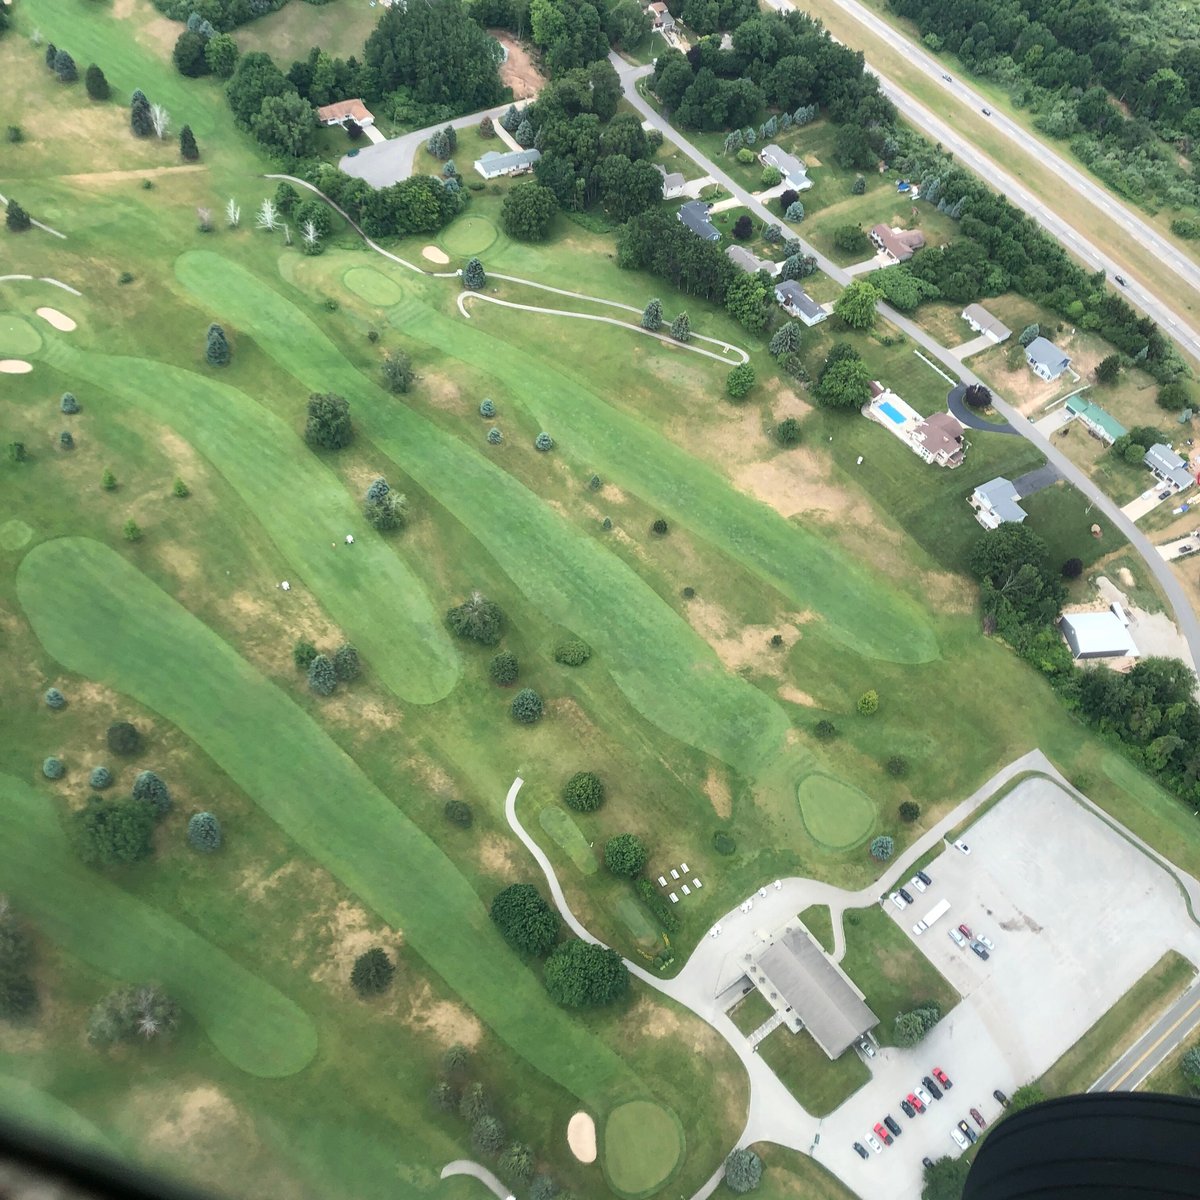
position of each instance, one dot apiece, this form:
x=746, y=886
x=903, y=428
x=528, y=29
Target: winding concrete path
x=464, y=1166
x=58, y=283
x=37, y=224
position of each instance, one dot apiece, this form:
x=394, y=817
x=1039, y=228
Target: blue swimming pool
x=890, y=412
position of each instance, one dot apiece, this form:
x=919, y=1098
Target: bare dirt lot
x=518, y=70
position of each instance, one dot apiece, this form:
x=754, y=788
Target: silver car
x=957, y=938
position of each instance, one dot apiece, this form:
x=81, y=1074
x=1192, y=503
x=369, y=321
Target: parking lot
x=1077, y=915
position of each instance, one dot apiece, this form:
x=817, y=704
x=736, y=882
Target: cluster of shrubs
x=326, y=671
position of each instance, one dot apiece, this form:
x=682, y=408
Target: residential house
x=795, y=301
x=1098, y=423
x=897, y=244
x=493, y=163
x=794, y=172
x=344, y=111
x=673, y=183
x=749, y=262
x=1046, y=360
x=694, y=214
x=662, y=19
x=937, y=440
x=982, y=321
x=1097, y=635
x=995, y=502
x=1168, y=466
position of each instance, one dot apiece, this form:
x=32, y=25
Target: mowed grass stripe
x=368, y=590
x=666, y=670
x=250, y=1022
x=43, y=1114
x=99, y=616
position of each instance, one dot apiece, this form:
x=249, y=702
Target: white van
x=957, y=938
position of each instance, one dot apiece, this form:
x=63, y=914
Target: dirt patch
x=796, y=696
x=716, y=788
x=182, y=561
x=796, y=482
x=518, y=71
x=1125, y=575
x=581, y=1137
x=444, y=1020
x=257, y=886
x=744, y=647
x=496, y=855
x=435, y=255
x=565, y=709
x=364, y=716
x=203, y=1111
x=94, y=177
x=350, y=933
x=433, y=776
x=442, y=393
x=150, y=29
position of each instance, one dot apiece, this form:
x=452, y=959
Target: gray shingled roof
x=1043, y=350
x=791, y=292
x=694, y=214
x=494, y=161
x=1000, y=496
x=1164, y=462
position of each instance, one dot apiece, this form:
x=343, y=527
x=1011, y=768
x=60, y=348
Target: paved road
x=1139, y=1062
x=1185, y=618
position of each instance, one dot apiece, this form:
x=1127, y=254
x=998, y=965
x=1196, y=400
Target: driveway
x=1035, y=481
x=1050, y=424
x=1146, y=503
x=967, y=416
x=974, y=346
x=1181, y=547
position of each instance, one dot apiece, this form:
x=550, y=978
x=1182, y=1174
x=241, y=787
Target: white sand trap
x=435, y=255
x=15, y=366
x=581, y=1137
x=60, y=321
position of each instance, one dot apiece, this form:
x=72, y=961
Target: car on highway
x=934, y=1090
x=906, y=896
x=961, y=845
x=907, y=1109
x=956, y=937
x=966, y=932
x=883, y=1135
x=893, y=1125
x=942, y=1078
x=916, y=884
x=924, y=1096
x=984, y=940
x=915, y=1101
x=1001, y=1097
x=860, y=1150
x=968, y=1132
x=873, y=1142
x=987, y=112
x=900, y=903
x=977, y=1117
x=960, y=1141
x=980, y=951
x=924, y=878
x=946, y=77
x=1121, y=280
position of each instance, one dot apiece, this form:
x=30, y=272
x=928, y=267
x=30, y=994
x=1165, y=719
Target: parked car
x=927, y=1163
x=924, y=1096
x=966, y=932
x=860, y=1150
x=968, y=1132
x=980, y=951
x=893, y=1125
x=956, y=937
x=899, y=901
x=960, y=1141
x=866, y=1047
x=915, y=1101
x=906, y=896
x=977, y=1117
x=942, y=1078
x=907, y=1109
x=1001, y=1097
x=924, y=878
x=934, y=1090
x=915, y=882
x=961, y=845
x=984, y=940
x=1165, y=495
x=873, y=1142
x=883, y=1135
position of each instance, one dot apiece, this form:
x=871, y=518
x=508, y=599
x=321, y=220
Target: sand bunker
x=60, y=321
x=581, y=1137
x=435, y=255
x=14, y=366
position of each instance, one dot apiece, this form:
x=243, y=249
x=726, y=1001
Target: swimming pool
x=891, y=413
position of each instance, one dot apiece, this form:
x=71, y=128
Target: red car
x=977, y=1117
x=942, y=1078
x=912, y=1099
x=883, y=1135
x=966, y=933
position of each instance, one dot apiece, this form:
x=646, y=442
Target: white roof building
x=1097, y=635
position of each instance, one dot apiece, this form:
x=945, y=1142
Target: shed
x=1097, y=635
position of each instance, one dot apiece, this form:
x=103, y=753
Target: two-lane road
x=1140, y=1061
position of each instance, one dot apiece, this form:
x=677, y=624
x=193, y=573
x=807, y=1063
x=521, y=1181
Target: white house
x=1168, y=466
x=982, y=321
x=794, y=172
x=793, y=299
x=1045, y=359
x=937, y=439
x=343, y=111
x=493, y=164
x=673, y=184
x=995, y=502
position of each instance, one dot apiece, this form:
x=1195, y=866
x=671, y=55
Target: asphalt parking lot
x=1077, y=915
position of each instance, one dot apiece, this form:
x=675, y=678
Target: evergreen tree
x=474, y=276
x=525, y=134
x=652, y=316
x=372, y=972
x=17, y=219
x=188, y=149
x=346, y=663
x=150, y=789
x=64, y=67
x=96, y=84
x=681, y=328
x=204, y=832
x=322, y=678
x=51, y=54
x=511, y=119
x=216, y=347
x=140, y=120
x=785, y=340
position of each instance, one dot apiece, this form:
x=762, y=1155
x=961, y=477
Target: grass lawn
x=1167, y=1079
x=290, y=32
x=817, y=1082
x=818, y=921
x=749, y=1013
x=890, y=971
x=1120, y=1027
x=792, y=1175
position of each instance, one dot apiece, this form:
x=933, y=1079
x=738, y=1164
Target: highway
x=1140, y=1061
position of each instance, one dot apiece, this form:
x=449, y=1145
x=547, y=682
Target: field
x=789, y=582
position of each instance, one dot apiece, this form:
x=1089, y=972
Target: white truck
x=940, y=909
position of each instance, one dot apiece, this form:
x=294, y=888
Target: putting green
x=373, y=286
x=255, y=1026
x=14, y=534
x=17, y=336
x=835, y=812
x=643, y=1143
x=468, y=235
x=560, y=825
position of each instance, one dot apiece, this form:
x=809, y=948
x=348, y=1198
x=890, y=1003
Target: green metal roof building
x=1105, y=426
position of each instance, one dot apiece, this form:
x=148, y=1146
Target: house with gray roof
x=793, y=299
x=982, y=321
x=995, y=502
x=1046, y=360
x=694, y=214
x=673, y=184
x=794, y=172
x=749, y=262
x=1097, y=635
x=1168, y=466
x=493, y=164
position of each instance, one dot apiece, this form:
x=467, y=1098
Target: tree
x=787, y=432
x=398, y=372
x=584, y=791
x=794, y=212
x=504, y=668
x=897, y=766
x=845, y=380
x=285, y=125
x=95, y=83
x=204, y=832
x=303, y=652
x=573, y=652
x=625, y=854
x=18, y=992
x=346, y=664
x=977, y=396
x=1189, y=1068
x=868, y=703
x=131, y=531
x=912, y=1026
x=652, y=316
x=64, y=67
x=583, y=975
x=66, y=440
x=739, y=382
x=113, y=832
x=1025, y=1097
x=322, y=678
x=17, y=219
x=474, y=276
x=53, y=768
x=910, y=810
x=474, y=1103
x=458, y=812
x=945, y=1179
x=139, y=114
x=856, y=305
x=216, y=347
x=383, y=508
x=124, y=739
x=51, y=52
x=526, y=707
x=189, y=56
x=743, y=1171
x=882, y=848
x=180, y=489
x=859, y=186
x=681, y=328
x=1072, y=568
x=328, y=422
x=1173, y=396
x=850, y=239
x=786, y=339
x=188, y=150
x=518, y=1162
x=286, y=197
x=372, y=972
x=487, y=128
x=477, y=619
x=55, y=699
x=438, y=144
x=487, y=1135
x=528, y=211
x=142, y=1011
x=743, y=227
x=221, y=54
x=69, y=403
x=525, y=920
x=659, y=526
x=1029, y=333
x=160, y=120
x=149, y=789
x=511, y=119
x=1109, y=368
